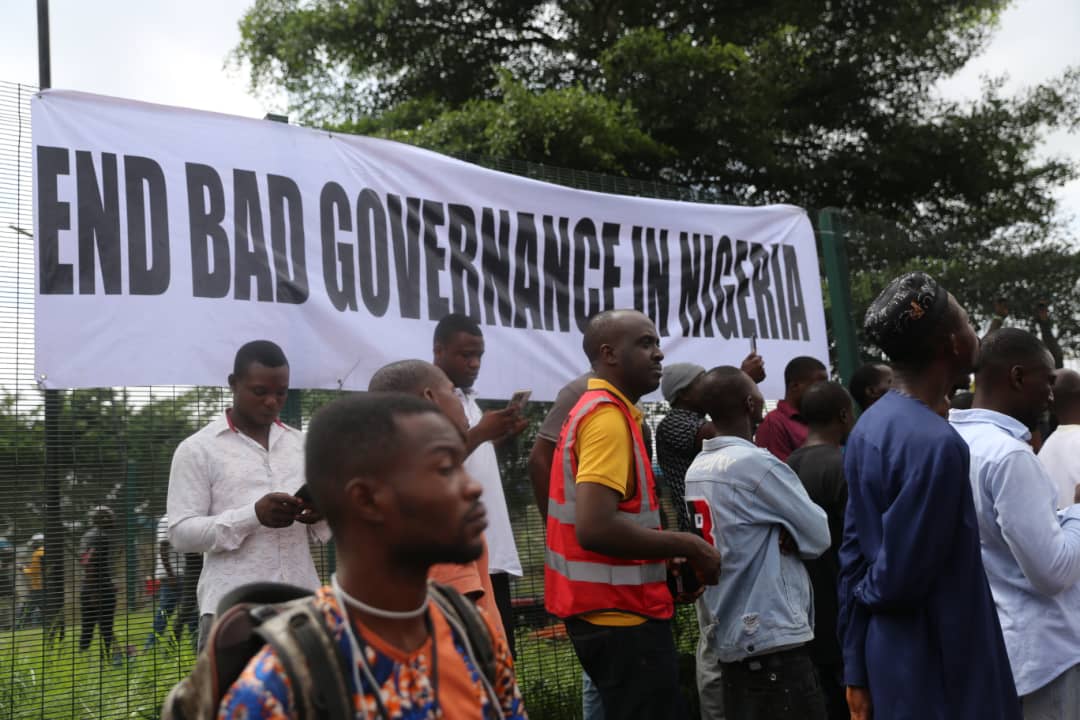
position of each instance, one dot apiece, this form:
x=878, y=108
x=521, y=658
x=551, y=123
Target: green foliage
x=818, y=103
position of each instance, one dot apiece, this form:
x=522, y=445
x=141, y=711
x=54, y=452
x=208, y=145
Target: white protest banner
x=166, y=238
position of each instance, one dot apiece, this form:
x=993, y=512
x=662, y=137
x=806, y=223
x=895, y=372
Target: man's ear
x=365, y=498
x=1016, y=377
x=429, y=395
x=607, y=355
x=232, y=381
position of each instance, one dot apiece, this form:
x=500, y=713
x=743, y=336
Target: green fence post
x=130, y=549
x=834, y=253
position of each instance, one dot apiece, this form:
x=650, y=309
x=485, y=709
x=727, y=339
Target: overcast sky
x=174, y=53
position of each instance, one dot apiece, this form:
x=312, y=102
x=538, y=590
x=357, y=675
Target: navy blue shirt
x=917, y=622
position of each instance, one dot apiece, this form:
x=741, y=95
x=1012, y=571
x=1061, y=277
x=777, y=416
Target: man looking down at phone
x=606, y=561
x=458, y=350
x=422, y=379
x=232, y=485
x=757, y=620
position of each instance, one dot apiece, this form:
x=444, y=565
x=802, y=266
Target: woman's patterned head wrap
x=905, y=315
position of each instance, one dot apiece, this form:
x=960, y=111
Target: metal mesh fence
x=68, y=650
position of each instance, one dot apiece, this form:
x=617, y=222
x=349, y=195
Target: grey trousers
x=205, y=621
x=1057, y=700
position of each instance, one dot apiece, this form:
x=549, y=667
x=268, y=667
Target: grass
x=39, y=679
x=43, y=680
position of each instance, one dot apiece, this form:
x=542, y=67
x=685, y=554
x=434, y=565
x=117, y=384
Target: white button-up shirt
x=1030, y=552
x=483, y=466
x=1061, y=456
x=217, y=476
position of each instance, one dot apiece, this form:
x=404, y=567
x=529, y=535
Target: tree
x=819, y=103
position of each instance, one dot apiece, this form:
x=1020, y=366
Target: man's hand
x=677, y=566
x=788, y=546
x=1042, y=313
x=754, y=366
x=278, y=509
x=858, y=701
x=308, y=514
x=1001, y=308
x=705, y=560
x=498, y=424
x=1076, y=494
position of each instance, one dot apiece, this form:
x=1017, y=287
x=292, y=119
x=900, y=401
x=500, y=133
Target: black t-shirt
x=821, y=469
x=95, y=552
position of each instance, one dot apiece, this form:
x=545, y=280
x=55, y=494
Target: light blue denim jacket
x=740, y=496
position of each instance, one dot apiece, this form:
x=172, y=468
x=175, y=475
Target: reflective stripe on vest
x=565, y=514
x=582, y=571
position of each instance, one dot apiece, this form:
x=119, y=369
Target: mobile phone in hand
x=519, y=398
x=753, y=344
x=304, y=493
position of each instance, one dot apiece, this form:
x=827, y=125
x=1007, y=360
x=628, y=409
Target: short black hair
x=866, y=377
x=823, y=402
x=1066, y=389
x=962, y=400
x=404, y=376
x=352, y=436
x=725, y=390
x=1006, y=347
x=802, y=368
x=264, y=352
x=455, y=323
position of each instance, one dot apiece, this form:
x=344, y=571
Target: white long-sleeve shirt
x=217, y=476
x=1030, y=552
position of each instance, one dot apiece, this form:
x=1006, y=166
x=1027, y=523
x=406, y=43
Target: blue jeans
x=592, y=707
x=168, y=597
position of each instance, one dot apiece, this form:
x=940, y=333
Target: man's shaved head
x=624, y=350
x=1067, y=394
x=605, y=328
x=405, y=376
x=423, y=379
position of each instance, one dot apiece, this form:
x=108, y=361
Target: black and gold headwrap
x=905, y=315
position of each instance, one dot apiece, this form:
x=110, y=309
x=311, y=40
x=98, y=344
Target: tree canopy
x=814, y=102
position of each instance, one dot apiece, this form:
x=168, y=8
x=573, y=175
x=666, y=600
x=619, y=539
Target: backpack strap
x=462, y=612
x=308, y=652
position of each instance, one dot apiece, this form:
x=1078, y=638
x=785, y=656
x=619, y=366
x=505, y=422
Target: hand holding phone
x=519, y=398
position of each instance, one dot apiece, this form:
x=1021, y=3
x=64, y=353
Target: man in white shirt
x=232, y=489
x=167, y=576
x=458, y=349
x=1061, y=451
x=1030, y=552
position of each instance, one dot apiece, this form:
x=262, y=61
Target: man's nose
x=473, y=489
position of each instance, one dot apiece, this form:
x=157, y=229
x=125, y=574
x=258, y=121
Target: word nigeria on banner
x=165, y=238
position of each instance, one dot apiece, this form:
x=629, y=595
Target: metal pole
x=44, y=65
x=54, y=528
x=131, y=576
x=834, y=253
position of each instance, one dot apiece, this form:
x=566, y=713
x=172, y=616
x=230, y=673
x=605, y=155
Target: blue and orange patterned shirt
x=404, y=679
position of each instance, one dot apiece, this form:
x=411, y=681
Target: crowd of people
x=857, y=552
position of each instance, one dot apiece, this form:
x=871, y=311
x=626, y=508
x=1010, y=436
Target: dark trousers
x=777, y=686
x=500, y=583
x=636, y=669
x=97, y=603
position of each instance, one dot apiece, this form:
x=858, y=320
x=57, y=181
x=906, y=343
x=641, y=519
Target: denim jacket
x=740, y=496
